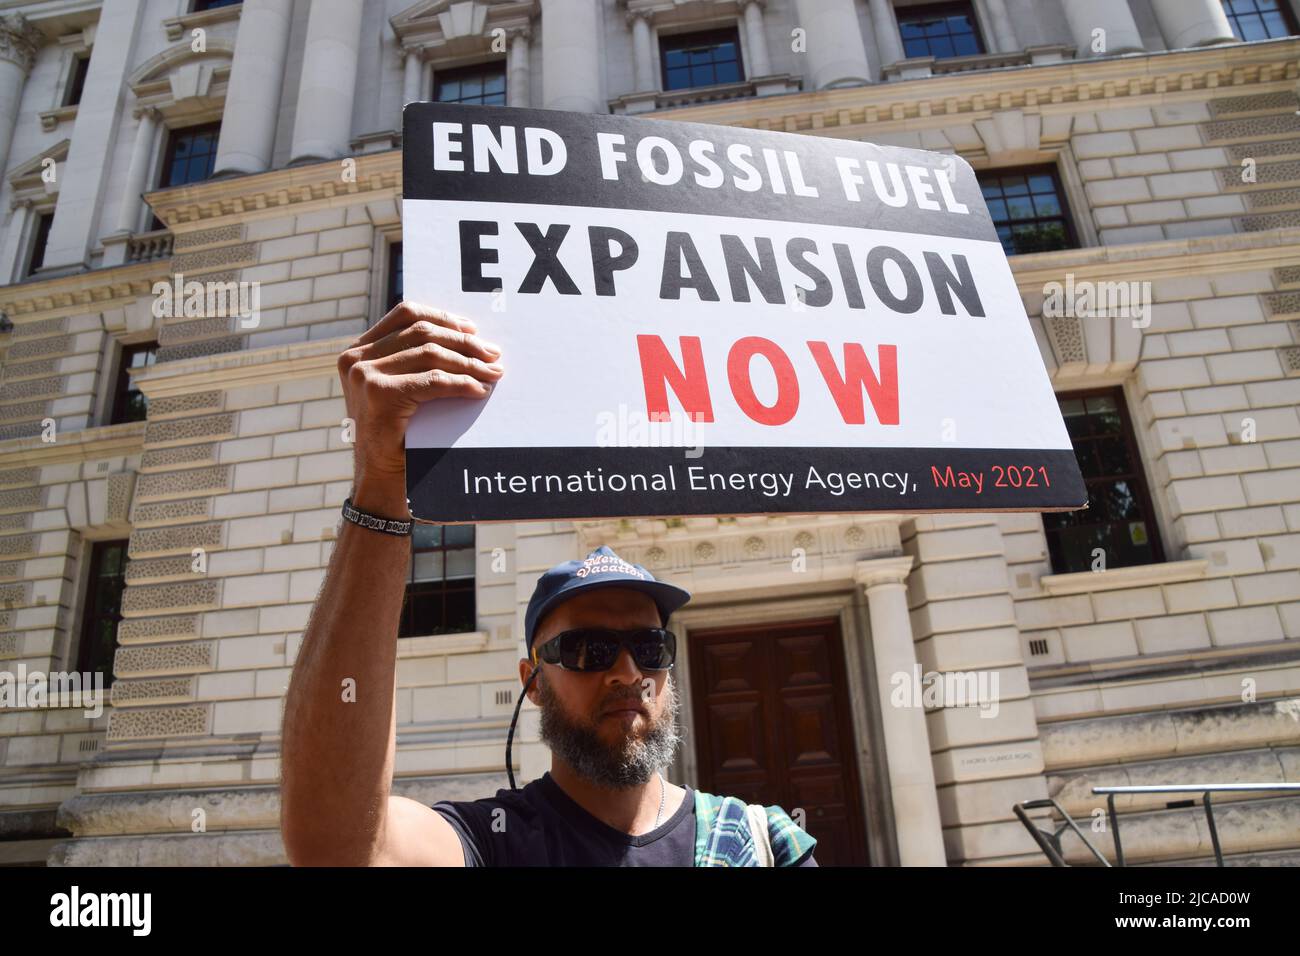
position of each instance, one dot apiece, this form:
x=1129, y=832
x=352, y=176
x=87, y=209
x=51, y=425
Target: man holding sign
x=837, y=323
x=600, y=658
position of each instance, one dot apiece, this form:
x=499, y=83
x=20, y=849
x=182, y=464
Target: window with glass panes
x=102, y=609
x=129, y=404
x=440, y=594
x=1259, y=19
x=940, y=30
x=1028, y=209
x=190, y=157
x=704, y=58
x=200, y=5
x=483, y=84
x=1118, y=526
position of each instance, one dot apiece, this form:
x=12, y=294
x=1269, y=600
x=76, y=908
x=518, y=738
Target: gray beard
x=630, y=763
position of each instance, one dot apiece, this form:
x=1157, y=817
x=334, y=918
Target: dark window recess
x=1029, y=210
x=394, y=275
x=940, y=30
x=440, y=595
x=700, y=59
x=201, y=5
x=40, y=240
x=483, y=84
x=103, y=608
x=129, y=403
x=77, y=85
x=1260, y=19
x=1119, y=518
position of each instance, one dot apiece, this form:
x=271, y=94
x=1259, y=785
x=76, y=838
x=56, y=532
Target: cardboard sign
x=709, y=320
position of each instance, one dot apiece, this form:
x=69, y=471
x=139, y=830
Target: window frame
x=85, y=647
x=76, y=84
x=1139, y=477
x=730, y=32
x=440, y=586
x=966, y=6
x=203, y=6
x=440, y=76
x=1058, y=181
x=1284, y=8
x=169, y=151
x=39, y=241
x=122, y=383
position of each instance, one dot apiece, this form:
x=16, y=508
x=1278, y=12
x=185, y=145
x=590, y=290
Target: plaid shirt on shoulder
x=722, y=836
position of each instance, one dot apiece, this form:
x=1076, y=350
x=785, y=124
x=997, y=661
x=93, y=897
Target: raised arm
x=338, y=748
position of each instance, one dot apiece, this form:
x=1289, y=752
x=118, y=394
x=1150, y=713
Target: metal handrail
x=1204, y=789
x=1050, y=842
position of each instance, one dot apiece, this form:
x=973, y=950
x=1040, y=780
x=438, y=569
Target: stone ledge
x=1114, y=579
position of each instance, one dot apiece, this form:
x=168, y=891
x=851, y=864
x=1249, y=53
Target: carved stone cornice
x=217, y=202
x=675, y=545
x=82, y=292
x=1063, y=89
x=433, y=23
x=86, y=444
x=19, y=41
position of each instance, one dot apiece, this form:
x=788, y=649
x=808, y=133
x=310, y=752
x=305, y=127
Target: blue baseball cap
x=601, y=568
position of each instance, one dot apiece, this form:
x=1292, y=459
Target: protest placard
x=717, y=320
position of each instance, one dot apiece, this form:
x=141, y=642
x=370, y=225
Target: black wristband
x=393, y=526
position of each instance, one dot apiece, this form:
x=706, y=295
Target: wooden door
x=773, y=726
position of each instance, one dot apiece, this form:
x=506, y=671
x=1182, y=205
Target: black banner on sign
x=684, y=167
x=484, y=484
x=717, y=320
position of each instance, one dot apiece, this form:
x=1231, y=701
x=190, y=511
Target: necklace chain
x=663, y=794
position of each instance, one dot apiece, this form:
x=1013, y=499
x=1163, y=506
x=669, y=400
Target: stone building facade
x=188, y=545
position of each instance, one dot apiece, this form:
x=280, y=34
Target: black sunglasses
x=597, y=648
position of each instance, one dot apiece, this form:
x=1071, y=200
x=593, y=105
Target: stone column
x=128, y=213
x=14, y=247
x=412, y=75
x=756, y=39
x=642, y=57
x=253, y=95
x=518, y=71
x=322, y=128
x=888, y=40
x=85, y=178
x=571, y=76
x=1188, y=23
x=1112, y=17
x=837, y=54
x=907, y=740
x=18, y=43
x=1004, y=34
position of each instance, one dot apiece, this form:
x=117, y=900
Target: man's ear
x=525, y=672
